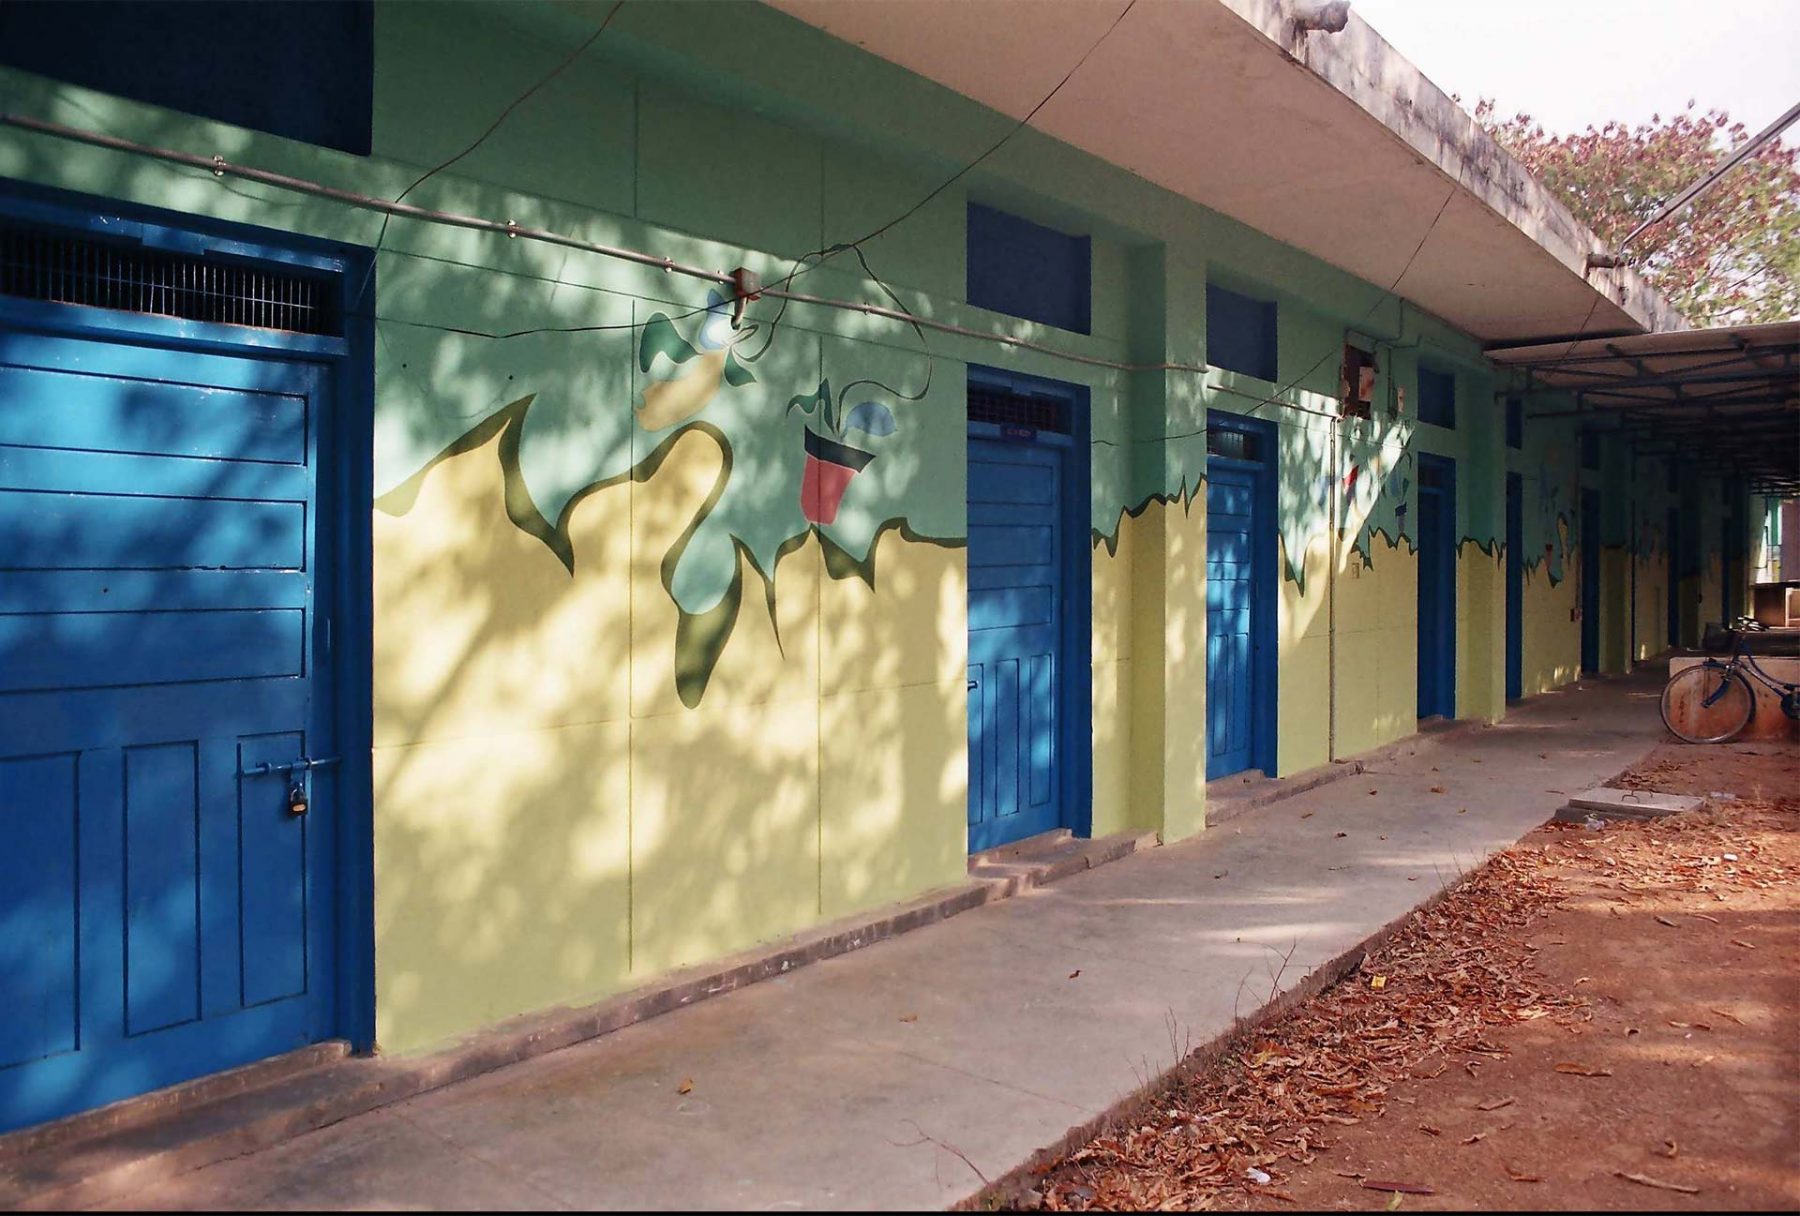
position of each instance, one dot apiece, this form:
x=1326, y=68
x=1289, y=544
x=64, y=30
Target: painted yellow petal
x=671, y=401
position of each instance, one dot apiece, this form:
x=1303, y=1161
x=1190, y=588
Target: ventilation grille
x=65, y=268
x=1233, y=444
x=1004, y=407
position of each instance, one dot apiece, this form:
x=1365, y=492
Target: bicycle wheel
x=1707, y=703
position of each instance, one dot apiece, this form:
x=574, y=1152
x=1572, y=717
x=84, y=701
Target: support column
x=1169, y=570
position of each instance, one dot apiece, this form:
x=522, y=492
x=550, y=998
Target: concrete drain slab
x=1605, y=803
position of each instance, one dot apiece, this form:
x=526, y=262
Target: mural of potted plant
x=702, y=364
x=832, y=462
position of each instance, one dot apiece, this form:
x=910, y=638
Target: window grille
x=1007, y=407
x=72, y=268
x=1233, y=444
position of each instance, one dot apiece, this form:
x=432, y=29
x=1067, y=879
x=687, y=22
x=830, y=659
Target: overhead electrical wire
x=818, y=257
x=218, y=166
x=521, y=99
x=1279, y=396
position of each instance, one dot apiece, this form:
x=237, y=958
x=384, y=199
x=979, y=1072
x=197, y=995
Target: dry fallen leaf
x=1430, y=1130
x=1272, y=1193
x=1378, y=982
x=1073, y=974
x=909, y=1017
x=1438, y=789
x=1663, y=920
x=1582, y=1070
x=1659, y=1184
x=1740, y=942
x=1476, y=1138
x=1669, y=1149
x=1518, y=1176
x=1495, y=1104
x=1402, y=1188
x=686, y=1086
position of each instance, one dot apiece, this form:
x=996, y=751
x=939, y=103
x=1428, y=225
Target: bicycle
x=1712, y=702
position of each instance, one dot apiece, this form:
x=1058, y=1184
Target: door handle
x=974, y=684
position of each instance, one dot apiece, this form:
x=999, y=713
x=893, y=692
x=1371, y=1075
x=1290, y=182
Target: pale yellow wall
x=1377, y=647
x=1112, y=668
x=1304, y=641
x=1480, y=633
x=553, y=824
x=1155, y=595
x=1652, y=634
x=1615, y=608
x=1552, y=637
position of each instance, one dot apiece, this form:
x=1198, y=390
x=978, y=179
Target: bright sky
x=1573, y=62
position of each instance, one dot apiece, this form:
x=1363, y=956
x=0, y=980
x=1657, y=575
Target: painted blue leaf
x=872, y=417
x=716, y=331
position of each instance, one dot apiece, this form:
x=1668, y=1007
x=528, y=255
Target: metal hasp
x=303, y=764
x=299, y=795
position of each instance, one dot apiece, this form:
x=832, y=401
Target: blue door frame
x=1437, y=587
x=1072, y=730
x=1242, y=583
x=1590, y=581
x=1515, y=586
x=341, y=368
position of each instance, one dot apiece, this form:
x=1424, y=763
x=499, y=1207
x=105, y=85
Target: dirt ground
x=1597, y=1019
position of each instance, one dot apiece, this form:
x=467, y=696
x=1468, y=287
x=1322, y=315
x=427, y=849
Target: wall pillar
x=1168, y=639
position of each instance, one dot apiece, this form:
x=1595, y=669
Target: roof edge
x=1367, y=70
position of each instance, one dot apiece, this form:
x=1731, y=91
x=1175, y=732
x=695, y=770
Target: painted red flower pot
x=829, y=467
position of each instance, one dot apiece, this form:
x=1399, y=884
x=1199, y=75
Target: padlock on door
x=297, y=799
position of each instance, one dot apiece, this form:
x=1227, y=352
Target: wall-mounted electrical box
x=1356, y=382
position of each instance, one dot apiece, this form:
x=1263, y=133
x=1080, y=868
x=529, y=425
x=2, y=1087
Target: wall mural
x=1550, y=513
x=793, y=466
x=846, y=458
x=1372, y=494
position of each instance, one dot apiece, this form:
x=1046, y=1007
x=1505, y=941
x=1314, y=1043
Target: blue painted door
x=1437, y=588
x=161, y=914
x=1590, y=581
x=1231, y=624
x=1515, y=587
x=1015, y=622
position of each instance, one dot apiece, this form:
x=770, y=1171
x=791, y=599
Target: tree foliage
x=1732, y=256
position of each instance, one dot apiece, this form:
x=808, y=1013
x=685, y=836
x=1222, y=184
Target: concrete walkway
x=885, y=1078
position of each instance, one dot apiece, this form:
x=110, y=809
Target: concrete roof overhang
x=1332, y=143
x=1728, y=398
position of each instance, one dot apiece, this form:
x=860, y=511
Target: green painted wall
x=637, y=705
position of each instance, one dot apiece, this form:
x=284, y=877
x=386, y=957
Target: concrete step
x=1606, y=803
x=1047, y=857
